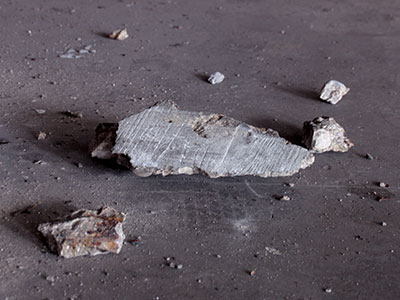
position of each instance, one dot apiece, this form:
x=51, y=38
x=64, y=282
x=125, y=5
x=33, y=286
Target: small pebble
x=383, y=223
x=40, y=111
x=42, y=135
x=216, y=78
x=328, y=290
x=119, y=34
x=252, y=273
x=382, y=184
x=179, y=267
x=285, y=198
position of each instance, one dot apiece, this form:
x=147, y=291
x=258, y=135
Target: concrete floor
x=276, y=55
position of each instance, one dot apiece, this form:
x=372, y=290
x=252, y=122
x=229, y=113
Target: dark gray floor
x=276, y=56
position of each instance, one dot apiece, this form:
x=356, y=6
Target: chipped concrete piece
x=216, y=78
x=119, y=34
x=323, y=134
x=86, y=232
x=333, y=91
x=165, y=140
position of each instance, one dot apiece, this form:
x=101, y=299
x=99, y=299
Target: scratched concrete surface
x=166, y=140
x=276, y=56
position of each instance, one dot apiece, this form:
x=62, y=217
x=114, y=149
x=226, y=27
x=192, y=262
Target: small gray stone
x=86, y=232
x=216, y=78
x=325, y=134
x=333, y=91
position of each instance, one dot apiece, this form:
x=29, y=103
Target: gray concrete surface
x=276, y=56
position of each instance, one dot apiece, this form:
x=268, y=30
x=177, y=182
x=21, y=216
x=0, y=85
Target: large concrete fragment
x=86, y=232
x=324, y=134
x=165, y=140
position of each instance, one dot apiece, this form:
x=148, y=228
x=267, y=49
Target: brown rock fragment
x=119, y=34
x=86, y=232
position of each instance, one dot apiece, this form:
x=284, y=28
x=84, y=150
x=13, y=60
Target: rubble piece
x=119, y=34
x=333, y=91
x=383, y=184
x=165, y=140
x=324, y=134
x=86, y=232
x=42, y=135
x=77, y=53
x=216, y=78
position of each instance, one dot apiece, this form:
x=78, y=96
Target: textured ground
x=276, y=55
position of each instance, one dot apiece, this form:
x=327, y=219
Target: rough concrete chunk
x=86, y=232
x=216, y=78
x=333, y=91
x=165, y=140
x=325, y=134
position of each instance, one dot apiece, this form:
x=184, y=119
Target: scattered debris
x=119, y=34
x=369, y=156
x=170, y=263
x=270, y=250
x=71, y=114
x=42, y=135
x=216, y=78
x=324, y=134
x=165, y=140
x=382, y=184
x=333, y=91
x=284, y=198
x=40, y=111
x=86, y=232
x=78, y=53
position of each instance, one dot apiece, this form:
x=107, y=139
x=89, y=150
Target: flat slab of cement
x=276, y=56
